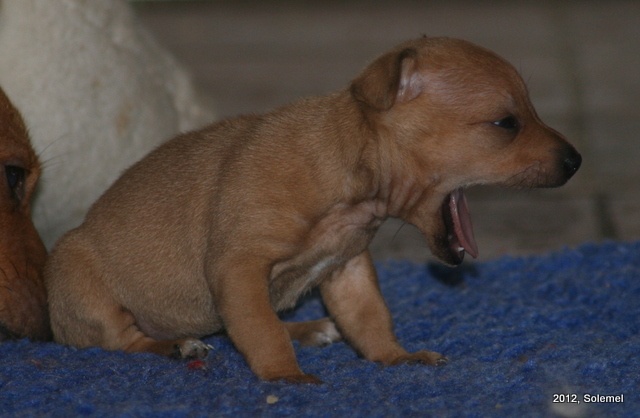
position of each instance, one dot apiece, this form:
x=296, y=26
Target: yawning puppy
x=221, y=228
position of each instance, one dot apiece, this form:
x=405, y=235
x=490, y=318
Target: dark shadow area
x=452, y=276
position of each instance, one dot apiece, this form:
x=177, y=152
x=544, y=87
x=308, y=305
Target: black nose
x=571, y=162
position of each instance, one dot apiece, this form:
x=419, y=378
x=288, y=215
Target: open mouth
x=459, y=229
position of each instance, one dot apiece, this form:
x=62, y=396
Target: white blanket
x=96, y=92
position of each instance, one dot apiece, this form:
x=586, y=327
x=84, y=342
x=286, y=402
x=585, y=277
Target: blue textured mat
x=516, y=330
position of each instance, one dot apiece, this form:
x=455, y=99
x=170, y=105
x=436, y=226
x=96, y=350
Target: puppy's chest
x=327, y=247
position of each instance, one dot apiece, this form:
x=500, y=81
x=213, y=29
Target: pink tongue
x=462, y=222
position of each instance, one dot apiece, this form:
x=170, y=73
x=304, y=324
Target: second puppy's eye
x=15, y=180
x=509, y=123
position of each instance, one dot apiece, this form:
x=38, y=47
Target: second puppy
x=224, y=227
x=23, y=301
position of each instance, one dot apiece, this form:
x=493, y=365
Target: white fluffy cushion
x=96, y=92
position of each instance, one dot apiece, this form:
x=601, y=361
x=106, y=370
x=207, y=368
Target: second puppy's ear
x=393, y=78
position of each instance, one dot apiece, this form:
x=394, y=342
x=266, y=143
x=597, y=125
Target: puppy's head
x=22, y=253
x=449, y=114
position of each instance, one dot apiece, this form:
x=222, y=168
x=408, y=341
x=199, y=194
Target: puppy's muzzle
x=555, y=171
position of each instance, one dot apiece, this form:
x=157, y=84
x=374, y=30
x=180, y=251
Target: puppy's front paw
x=191, y=349
x=430, y=358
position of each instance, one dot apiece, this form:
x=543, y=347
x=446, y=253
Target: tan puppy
x=23, y=306
x=220, y=229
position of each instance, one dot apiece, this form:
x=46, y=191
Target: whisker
x=44, y=150
x=398, y=231
x=54, y=160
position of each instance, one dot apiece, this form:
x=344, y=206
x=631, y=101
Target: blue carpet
x=516, y=331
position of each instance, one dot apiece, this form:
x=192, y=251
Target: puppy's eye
x=509, y=123
x=15, y=180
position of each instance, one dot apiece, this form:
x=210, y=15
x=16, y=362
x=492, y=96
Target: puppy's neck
x=387, y=174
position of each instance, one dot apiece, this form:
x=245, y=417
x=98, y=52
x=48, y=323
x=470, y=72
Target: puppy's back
x=142, y=243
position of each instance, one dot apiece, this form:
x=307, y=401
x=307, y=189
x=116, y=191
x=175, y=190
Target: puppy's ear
x=392, y=78
x=12, y=127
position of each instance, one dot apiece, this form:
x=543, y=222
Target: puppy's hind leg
x=84, y=313
x=185, y=348
x=318, y=333
x=117, y=330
